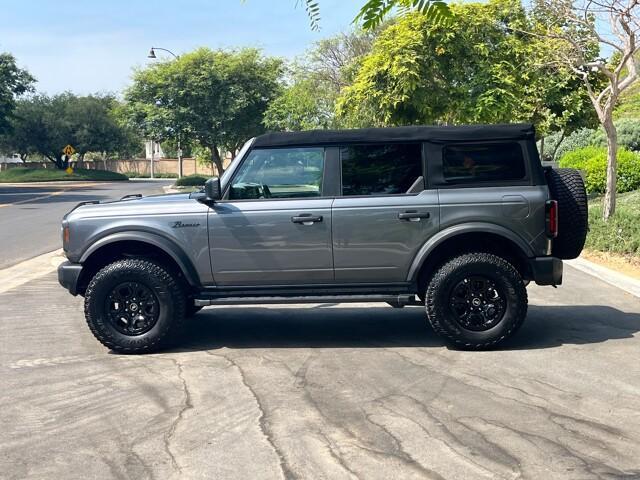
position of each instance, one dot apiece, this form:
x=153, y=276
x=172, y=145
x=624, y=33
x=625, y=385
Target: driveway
x=324, y=391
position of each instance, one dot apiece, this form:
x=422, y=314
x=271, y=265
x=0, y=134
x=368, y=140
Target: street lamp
x=152, y=54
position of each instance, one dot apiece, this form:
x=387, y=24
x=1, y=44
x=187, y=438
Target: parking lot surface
x=324, y=391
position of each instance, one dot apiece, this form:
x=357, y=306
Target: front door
x=384, y=214
x=274, y=225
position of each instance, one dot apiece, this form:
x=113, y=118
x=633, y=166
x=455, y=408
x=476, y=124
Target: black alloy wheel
x=477, y=303
x=132, y=308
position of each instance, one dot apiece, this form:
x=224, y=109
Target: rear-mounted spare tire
x=567, y=188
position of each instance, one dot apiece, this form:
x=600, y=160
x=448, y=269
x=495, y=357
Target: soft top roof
x=464, y=133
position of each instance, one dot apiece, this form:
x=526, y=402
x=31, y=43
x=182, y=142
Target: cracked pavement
x=323, y=391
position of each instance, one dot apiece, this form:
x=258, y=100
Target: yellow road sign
x=68, y=150
x=69, y=170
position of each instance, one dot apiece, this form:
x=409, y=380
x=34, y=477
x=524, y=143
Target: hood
x=133, y=206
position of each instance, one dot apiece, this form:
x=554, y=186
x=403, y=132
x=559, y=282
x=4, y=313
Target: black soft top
x=463, y=133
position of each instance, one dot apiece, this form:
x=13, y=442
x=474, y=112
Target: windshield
x=233, y=164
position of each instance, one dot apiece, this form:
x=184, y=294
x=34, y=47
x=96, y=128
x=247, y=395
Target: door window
x=280, y=173
x=483, y=163
x=382, y=169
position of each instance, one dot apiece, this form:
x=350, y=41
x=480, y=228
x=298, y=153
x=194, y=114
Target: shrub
x=628, y=134
x=19, y=175
x=581, y=138
x=593, y=162
x=191, y=181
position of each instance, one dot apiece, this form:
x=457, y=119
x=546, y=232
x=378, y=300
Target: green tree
x=308, y=101
x=14, y=82
x=44, y=125
x=216, y=98
x=478, y=69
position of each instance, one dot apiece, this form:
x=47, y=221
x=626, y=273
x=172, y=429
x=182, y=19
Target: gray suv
x=458, y=219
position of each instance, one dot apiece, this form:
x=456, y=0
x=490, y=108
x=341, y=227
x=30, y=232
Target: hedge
x=593, y=162
x=191, y=181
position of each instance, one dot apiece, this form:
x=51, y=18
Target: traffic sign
x=69, y=170
x=68, y=150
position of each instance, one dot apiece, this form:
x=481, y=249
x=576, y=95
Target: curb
x=28, y=270
x=617, y=279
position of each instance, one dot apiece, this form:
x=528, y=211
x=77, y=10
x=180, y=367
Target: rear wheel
x=476, y=300
x=134, y=306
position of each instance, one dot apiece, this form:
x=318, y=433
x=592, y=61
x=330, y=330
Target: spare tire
x=567, y=187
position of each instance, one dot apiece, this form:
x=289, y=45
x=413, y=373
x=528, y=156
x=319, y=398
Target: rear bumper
x=68, y=275
x=546, y=270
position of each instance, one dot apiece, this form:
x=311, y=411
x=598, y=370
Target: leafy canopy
x=44, y=125
x=477, y=69
x=13, y=82
x=216, y=98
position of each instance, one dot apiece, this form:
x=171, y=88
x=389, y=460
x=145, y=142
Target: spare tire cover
x=567, y=187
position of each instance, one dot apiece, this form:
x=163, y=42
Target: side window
x=483, y=163
x=280, y=173
x=382, y=169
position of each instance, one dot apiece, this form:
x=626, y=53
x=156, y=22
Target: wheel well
x=468, y=243
x=125, y=249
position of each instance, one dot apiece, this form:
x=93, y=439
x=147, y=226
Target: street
x=30, y=214
x=312, y=391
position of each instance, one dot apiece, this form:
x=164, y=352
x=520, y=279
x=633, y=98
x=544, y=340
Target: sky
x=92, y=46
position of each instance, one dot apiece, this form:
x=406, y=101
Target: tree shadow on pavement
x=318, y=327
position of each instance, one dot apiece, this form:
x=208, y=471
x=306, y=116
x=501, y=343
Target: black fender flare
x=450, y=232
x=167, y=246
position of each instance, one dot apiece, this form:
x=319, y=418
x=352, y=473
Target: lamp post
x=152, y=54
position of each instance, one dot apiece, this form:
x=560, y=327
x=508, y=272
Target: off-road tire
x=567, y=187
x=502, y=273
x=167, y=289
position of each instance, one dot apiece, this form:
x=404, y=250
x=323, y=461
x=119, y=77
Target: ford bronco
x=457, y=219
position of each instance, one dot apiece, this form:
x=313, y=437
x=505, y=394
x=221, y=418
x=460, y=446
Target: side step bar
x=397, y=301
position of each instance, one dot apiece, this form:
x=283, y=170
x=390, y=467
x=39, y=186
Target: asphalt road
x=30, y=215
x=324, y=391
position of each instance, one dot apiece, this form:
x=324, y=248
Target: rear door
x=274, y=225
x=384, y=213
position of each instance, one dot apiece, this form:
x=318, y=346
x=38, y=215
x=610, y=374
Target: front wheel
x=476, y=300
x=134, y=306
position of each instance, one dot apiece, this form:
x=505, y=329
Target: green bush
x=581, y=138
x=191, y=181
x=20, y=175
x=593, y=162
x=628, y=134
x=146, y=175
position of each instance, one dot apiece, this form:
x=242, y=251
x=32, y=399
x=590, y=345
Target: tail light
x=551, y=211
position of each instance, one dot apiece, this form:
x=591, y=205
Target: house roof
x=464, y=133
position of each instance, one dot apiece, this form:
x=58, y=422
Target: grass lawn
x=23, y=175
x=621, y=234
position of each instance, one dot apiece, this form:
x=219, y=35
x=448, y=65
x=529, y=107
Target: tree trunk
x=557, y=147
x=609, y=206
x=216, y=161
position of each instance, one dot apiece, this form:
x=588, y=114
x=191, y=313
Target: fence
x=141, y=167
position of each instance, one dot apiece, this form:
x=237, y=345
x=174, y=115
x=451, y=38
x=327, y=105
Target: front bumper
x=546, y=270
x=68, y=276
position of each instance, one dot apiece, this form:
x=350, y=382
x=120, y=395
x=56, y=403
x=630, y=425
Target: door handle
x=306, y=218
x=413, y=215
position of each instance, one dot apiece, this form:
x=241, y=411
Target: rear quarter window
x=472, y=163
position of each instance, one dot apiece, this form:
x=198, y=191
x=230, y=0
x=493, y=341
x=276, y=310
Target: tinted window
x=381, y=169
x=482, y=163
x=280, y=173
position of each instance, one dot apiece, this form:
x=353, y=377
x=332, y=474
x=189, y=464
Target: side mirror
x=212, y=189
